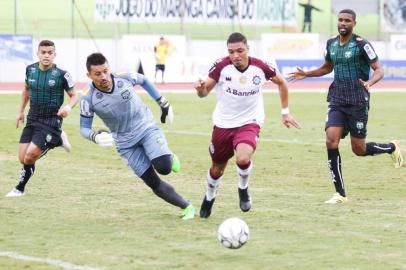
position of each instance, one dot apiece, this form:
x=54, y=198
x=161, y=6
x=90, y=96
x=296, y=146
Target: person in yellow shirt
x=161, y=51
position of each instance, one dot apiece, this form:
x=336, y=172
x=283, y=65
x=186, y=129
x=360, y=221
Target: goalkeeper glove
x=166, y=110
x=103, y=138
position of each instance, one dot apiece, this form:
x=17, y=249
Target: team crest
x=33, y=70
x=48, y=138
x=54, y=71
x=125, y=94
x=51, y=83
x=347, y=54
x=360, y=125
x=243, y=79
x=256, y=80
x=99, y=95
x=119, y=84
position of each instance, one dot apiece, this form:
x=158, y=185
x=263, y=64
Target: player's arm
x=203, y=87
x=287, y=119
x=377, y=75
x=69, y=85
x=25, y=97
x=166, y=107
x=101, y=137
x=300, y=74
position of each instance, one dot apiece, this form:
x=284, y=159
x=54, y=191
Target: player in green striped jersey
x=351, y=58
x=45, y=86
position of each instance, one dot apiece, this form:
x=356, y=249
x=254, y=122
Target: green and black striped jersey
x=47, y=89
x=351, y=62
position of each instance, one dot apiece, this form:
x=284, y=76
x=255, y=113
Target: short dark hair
x=236, y=37
x=46, y=43
x=95, y=59
x=349, y=11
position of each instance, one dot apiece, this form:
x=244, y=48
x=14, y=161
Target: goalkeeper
x=138, y=138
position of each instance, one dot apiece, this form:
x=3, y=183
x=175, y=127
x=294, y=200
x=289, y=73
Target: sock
x=168, y=193
x=212, y=184
x=379, y=148
x=334, y=166
x=162, y=189
x=26, y=172
x=244, y=173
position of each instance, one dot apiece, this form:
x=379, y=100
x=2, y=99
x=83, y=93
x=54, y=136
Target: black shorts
x=159, y=67
x=353, y=118
x=44, y=138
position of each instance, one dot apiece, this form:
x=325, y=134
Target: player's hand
x=64, y=111
x=166, y=110
x=289, y=121
x=20, y=118
x=297, y=75
x=199, y=85
x=365, y=84
x=103, y=138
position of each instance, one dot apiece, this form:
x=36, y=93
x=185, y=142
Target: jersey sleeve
x=270, y=70
x=215, y=70
x=327, y=56
x=68, y=83
x=86, y=116
x=26, y=75
x=368, y=52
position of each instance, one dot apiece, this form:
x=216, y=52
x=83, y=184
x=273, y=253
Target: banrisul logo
x=104, y=8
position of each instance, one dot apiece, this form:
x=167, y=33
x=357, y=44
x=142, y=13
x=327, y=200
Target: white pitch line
x=62, y=264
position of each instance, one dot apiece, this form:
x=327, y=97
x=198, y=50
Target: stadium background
x=87, y=211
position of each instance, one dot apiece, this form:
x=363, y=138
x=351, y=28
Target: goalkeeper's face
x=101, y=77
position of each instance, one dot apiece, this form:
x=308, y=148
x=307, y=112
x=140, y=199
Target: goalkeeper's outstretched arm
x=102, y=138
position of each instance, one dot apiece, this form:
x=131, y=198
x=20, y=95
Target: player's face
x=345, y=24
x=101, y=76
x=46, y=56
x=238, y=53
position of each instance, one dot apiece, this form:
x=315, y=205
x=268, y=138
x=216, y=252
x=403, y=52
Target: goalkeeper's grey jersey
x=121, y=110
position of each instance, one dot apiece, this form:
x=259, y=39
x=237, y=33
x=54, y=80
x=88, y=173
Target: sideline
x=62, y=264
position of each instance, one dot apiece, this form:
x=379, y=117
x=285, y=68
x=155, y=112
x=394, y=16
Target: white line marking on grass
x=62, y=264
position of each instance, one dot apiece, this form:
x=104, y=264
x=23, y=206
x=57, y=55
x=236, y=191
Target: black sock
x=163, y=189
x=334, y=166
x=379, y=148
x=26, y=172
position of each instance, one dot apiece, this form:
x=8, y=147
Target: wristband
x=285, y=110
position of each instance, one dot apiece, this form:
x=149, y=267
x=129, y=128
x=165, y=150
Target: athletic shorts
x=353, y=118
x=159, y=67
x=153, y=144
x=225, y=140
x=44, y=138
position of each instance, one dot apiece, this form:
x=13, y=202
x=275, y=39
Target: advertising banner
x=264, y=12
x=16, y=48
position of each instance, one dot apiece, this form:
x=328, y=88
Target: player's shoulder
x=86, y=92
x=220, y=63
x=360, y=40
x=132, y=77
x=333, y=40
x=262, y=64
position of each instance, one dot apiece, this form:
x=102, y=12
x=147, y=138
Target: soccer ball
x=233, y=233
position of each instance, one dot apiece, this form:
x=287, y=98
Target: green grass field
x=87, y=208
x=50, y=18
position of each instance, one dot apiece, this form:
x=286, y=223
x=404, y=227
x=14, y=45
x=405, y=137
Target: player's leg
x=138, y=158
x=163, y=73
x=65, y=142
x=245, y=142
x=335, y=130
x=358, y=129
x=221, y=150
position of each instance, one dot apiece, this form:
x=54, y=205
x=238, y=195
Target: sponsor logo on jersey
x=54, y=71
x=235, y=92
x=33, y=69
x=228, y=79
x=347, y=54
x=120, y=84
x=351, y=44
x=256, y=80
x=243, y=79
x=99, y=95
x=31, y=80
x=51, y=83
x=370, y=52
